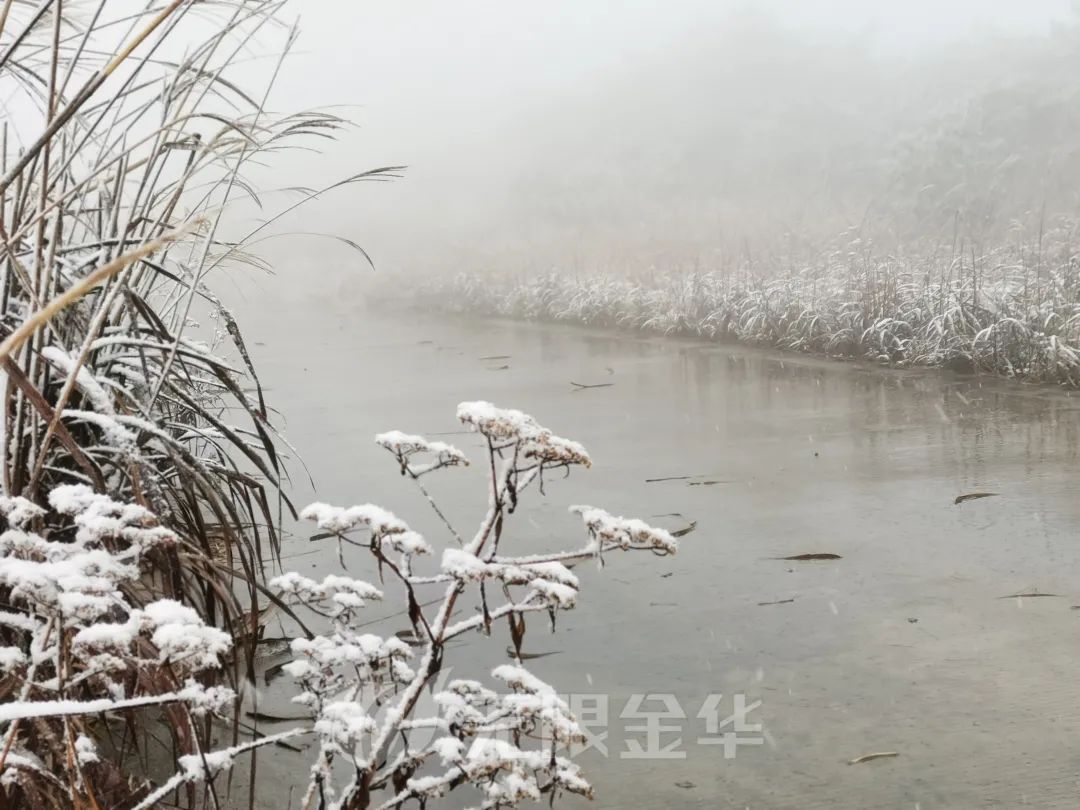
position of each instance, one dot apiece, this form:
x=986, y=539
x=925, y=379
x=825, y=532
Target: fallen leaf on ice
x=686, y=531
x=971, y=496
x=871, y=757
x=1029, y=594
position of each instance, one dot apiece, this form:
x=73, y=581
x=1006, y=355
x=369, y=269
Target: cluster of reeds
x=1014, y=310
x=128, y=133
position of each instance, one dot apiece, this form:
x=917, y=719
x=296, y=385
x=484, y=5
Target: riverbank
x=1002, y=314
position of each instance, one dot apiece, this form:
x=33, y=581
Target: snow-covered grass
x=1014, y=310
x=84, y=651
x=128, y=135
x=93, y=655
x=124, y=146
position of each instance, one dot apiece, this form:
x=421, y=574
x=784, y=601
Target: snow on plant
x=1011, y=310
x=88, y=636
x=124, y=196
x=81, y=646
x=363, y=690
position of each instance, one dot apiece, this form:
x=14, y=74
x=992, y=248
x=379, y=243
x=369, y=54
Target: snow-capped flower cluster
x=465, y=706
x=364, y=516
x=497, y=423
x=608, y=531
x=336, y=592
x=481, y=723
x=343, y=660
x=85, y=750
x=344, y=723
x=78, y=579
x=406, y=445
x=72, y=630
x=181, y=637
x=19, y=511
x=552, y=581
x=386, y=528
x=535, y=704
x=505, y=774
x=554, y=450
x=178, y=634
x=365, y=655
x=536, y=442
x=78, y=583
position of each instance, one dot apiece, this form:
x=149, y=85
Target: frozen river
x=903, y=644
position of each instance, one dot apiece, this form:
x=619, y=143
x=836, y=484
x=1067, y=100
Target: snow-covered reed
x=126, y=146
x=1013, y=311
x=93, y=654
x=124, y=155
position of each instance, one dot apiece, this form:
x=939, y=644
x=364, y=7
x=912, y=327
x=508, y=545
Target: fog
x=631, y=135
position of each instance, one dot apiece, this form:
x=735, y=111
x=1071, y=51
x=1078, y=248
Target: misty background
x=624, y=136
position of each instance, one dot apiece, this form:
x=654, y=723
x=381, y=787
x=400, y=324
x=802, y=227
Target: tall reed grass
x=1013, y=310
x=128, y=134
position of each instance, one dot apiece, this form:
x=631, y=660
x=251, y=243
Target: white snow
x=84, y=380
x=625, y=533
x=85, y=750
x=345, y=592
x=19, y=511
x=499, y=423
x=116, y=434
x=460, y=564
x=406, y=445
x=537, y=443
x=367, y=516
x=448, y=749
x=344, y=722
x=10, y=658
